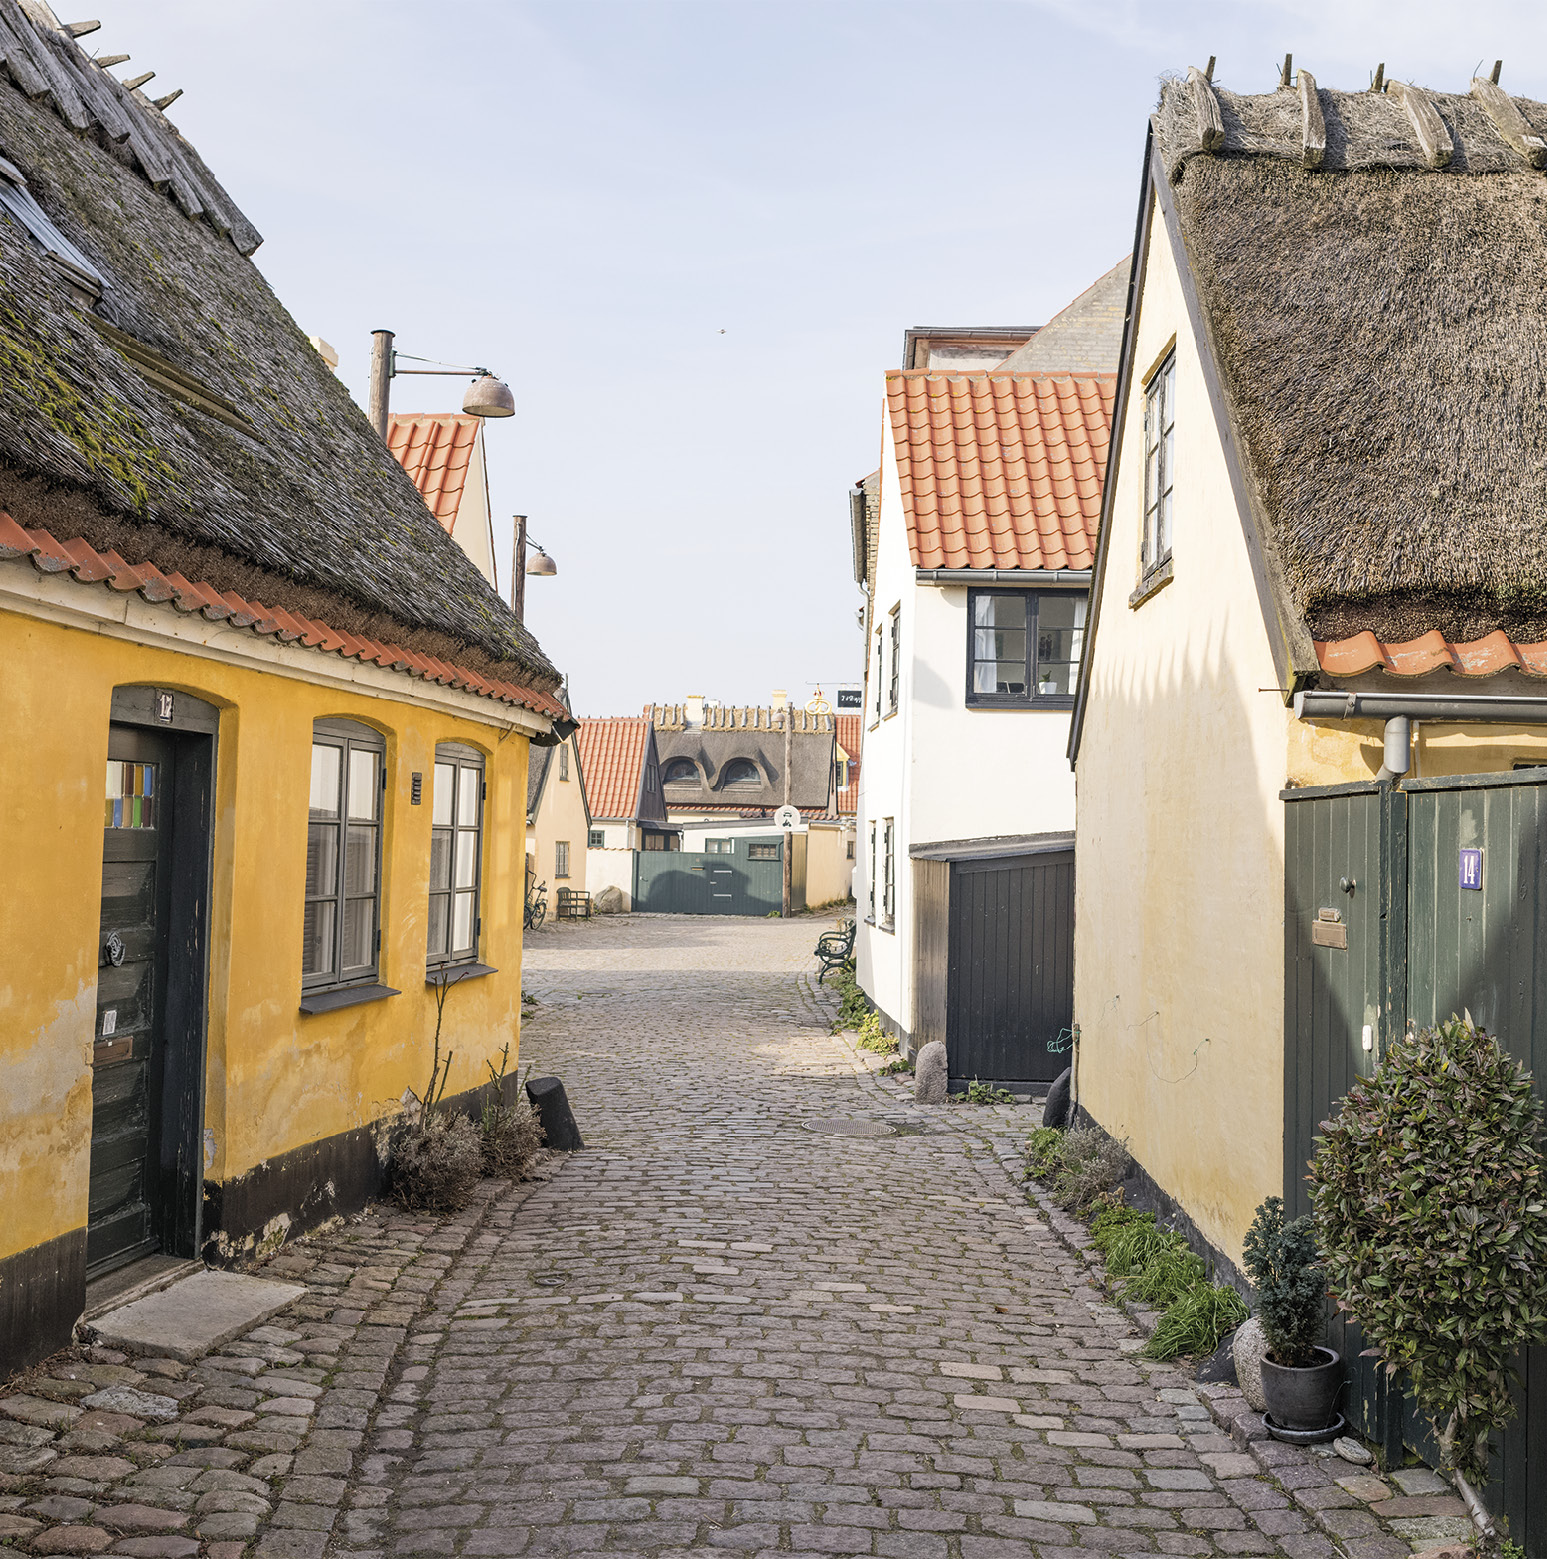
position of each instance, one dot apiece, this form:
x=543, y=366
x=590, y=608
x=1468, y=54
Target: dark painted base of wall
x=330, y=1178
x=905, y=1046
x=42, y=1295
x=1141, y=1190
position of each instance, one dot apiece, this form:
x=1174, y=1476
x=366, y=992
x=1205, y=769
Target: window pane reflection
x=325, y=772
x=445, y=782
x=462, y=929
x=362, y=785
x=467, y=857
x=469, y=784
x=360, y=861
x=317, y=938
x=321, y=859
x=359, y=933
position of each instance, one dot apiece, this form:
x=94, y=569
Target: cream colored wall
x=1341, y=752
x=474, y=529
x=560, y=815
x=829, y=871
x=1179, y=951
x=611, y=866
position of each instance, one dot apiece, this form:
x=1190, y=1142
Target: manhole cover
x=551, y=1279
x=850, y=1128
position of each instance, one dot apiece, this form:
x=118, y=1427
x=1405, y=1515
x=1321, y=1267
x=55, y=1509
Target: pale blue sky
x=690, y=234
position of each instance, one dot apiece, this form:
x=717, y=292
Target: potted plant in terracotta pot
x=1300, y=1378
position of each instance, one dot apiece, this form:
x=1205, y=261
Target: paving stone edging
x=1360, y=1511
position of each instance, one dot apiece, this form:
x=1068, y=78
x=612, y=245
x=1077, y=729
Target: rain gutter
x=1003, y=576
x=1399, y=710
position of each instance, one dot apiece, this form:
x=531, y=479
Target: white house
x=980, y=535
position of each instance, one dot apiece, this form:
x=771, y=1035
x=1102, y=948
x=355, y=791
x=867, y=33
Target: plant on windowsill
x=1430, y=1190
x=439, y=1157
x=1300, y=1378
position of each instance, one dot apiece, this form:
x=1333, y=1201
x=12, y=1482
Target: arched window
x=680, y=769
x=741, y=771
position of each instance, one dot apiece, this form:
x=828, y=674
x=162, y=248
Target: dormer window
x=84, y=280
x=680, y=770
x=741, y=771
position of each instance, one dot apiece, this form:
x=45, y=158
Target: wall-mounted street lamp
x=541, y=565
x=486, y=396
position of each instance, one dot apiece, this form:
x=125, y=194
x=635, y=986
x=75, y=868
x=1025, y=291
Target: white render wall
x=941, y=770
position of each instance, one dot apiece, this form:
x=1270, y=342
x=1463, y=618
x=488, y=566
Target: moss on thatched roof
x=1381, y=328
x=261, y=475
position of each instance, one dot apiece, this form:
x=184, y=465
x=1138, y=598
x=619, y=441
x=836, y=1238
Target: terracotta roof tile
x=1431, y=651
x=436, y=449
x=89, y=566
x=612, y=751
x=1001, y=470
x=849, y=739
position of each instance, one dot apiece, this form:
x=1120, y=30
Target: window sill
x=889, y=715
x=1048, y=702
x=455, y=974
x=1152, y=582
x=888, y=926
x=346, y=996
x=870, y=920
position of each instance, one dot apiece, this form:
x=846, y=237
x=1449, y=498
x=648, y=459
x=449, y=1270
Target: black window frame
x=596, y=839
x=895, y=683
x=1030, y=699
x=346, y=737
x=870, y=885
x=1159, y=471
x=560, y=860
x=460, y=757
x=880, y=664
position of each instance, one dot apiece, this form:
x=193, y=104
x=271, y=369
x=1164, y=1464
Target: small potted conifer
x=1300, y=1378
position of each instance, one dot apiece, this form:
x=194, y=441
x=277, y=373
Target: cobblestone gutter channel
x=772, y=1309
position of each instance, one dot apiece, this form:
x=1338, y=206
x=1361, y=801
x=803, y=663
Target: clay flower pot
x=1302, y=1399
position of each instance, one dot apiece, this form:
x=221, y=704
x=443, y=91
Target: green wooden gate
x=1419, y=946
x=691, y=882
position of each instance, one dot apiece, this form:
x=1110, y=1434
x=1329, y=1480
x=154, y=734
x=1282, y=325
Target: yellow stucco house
x=266, y=732
x=558, y=819
x=1309, y=726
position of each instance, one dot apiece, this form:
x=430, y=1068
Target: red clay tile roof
x=849, y=741
x=612, y=752
x=91, y=567
x=1431, y=652
x=1001, y=470
x=436, y=449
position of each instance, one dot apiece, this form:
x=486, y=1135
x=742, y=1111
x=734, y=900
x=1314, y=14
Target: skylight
x=17, y=199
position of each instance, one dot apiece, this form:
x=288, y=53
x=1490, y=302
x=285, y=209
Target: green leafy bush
x=853, y=1004
x=1431, y=1207
x=871, y=1036
x=985, y=1093
x=1291, y=1288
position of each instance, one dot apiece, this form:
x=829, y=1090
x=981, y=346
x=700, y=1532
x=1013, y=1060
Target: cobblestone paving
x=772, y=1308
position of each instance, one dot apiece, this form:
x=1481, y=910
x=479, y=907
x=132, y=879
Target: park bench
x=574, y=904
x=834, y=949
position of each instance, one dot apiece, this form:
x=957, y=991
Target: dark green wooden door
x=1420, y=946
x=129, y=1050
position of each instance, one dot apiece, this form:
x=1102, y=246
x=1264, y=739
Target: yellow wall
x=276, y=1079
x=829, y=871
x=1342, y=752
x=1179, y=951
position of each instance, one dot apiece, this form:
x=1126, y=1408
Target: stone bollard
x=929, y=1074
x=1055, y=1112
x=552, y=1106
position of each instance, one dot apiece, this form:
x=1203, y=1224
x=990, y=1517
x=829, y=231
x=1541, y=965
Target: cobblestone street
x=772, y=1307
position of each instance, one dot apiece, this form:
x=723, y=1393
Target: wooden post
x=1313, y=124
x=381, y=380
x=788, y=852
x=518, y=571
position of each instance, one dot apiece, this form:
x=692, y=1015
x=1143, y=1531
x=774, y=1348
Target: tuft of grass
x=985, y=1093
x=897, y=1067
x=871, y=1036
x=1044, y=1153
x=1195, y=1322
x=1170, y=1272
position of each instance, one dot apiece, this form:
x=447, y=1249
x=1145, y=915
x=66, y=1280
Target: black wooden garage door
x=1010, y=983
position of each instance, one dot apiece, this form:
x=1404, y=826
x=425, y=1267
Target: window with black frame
x=895, y=683
x=341, y=936
x=1159, y=462
x=1024, y=647
x=871, y=883
x=889, y=878
x=456, y=856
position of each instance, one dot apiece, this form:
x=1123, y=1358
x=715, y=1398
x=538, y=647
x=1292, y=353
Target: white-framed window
x=564, y=761
x=1159, y=462
x=719, y=847
x=456, y=856
x=871, y=876
x=561, y=858
x=341, y=940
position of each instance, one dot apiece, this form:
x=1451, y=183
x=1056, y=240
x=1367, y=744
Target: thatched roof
x=184, y=419
x=1380, y=325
